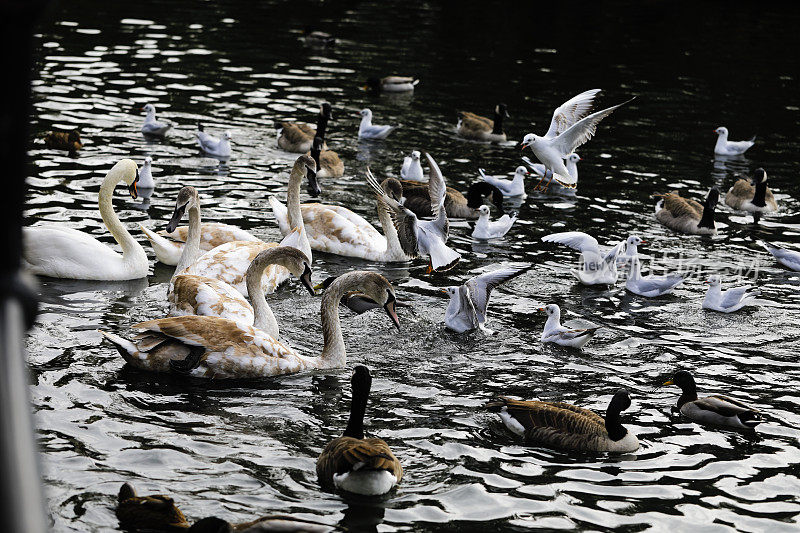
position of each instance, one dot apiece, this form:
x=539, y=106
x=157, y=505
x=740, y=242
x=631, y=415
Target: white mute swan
x=61, y=252
x=211, y=347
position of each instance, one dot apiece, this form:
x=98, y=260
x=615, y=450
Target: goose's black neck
x=358, y=406
x=322, y=125
x=759, y=198
x=316, y=147
x=616, y=431
x=498, y=122
x=480, y=190
x=707, y=220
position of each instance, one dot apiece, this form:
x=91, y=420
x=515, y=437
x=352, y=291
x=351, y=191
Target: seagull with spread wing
x=470, y=301
x=599, y=268
x=422, y=237
x=570, y=128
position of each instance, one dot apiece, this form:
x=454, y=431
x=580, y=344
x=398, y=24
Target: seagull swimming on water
x=211, y=145
x=730, y=300
x=470, y=301
x=151, y=126
x=564, y=335
x=412, y=169
x=366, y=130
x=788, y=258
x=569, y=129
x=491, y=229
x=726, y=147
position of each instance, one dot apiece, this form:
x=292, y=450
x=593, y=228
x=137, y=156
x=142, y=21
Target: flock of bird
x=212, y=331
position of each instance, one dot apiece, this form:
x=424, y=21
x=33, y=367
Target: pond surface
x=239, y=450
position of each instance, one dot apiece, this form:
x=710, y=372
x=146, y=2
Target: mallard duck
x=565, y=336
x=368, y=130
x=62, y=252
x=328, y=163
x=730, y=300
x=469, y=302
x=157, y=512
x=230, y=261
x=686, y=215
x=716, y=409
x=299, y=137
x=64, y=140
x=220, y=148
x=478, y=128
x=151, y=126
x=491, y=229
x=569, y=427
x=726, y=147
x=218, y=348
x=753, y=196
x=456, y=205
x=353, y=463
x=355, y=301
x=650, y=286
x=391, y=84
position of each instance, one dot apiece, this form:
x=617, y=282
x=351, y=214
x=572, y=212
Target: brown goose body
x=479, y=128
x=456, y=205
x=296, y=137
x=64, y=140
x=156, y=512
x=742, y=194
x=565, y=426
x=686, y=215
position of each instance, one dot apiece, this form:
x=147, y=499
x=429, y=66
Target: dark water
x=242, y=450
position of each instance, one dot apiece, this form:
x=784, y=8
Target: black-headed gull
x=650, y=286
x=563, y=335
x=211, y=145
x=470, y=301
x=366, y=130
x=729, y=300
x=571, y=163
x=717, y=409
x=478, y=128
x=509, y=187
x=488, y=229
x=726, y=147
x=788, y=258
x=318, y=38
x=686, y=215
x=566, y=133
x=146, y=174
x=599, y=268
x=753, y=196
x=391, y=84
x=631, y=250
x=422, y=237
x=412, y=168
x=151, y=126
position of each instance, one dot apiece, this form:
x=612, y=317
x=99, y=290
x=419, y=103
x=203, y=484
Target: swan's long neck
x=131, y=250
x=191, y=250
x=393, y=248
x=293, y=208
x=264, y=318
x=333, y=352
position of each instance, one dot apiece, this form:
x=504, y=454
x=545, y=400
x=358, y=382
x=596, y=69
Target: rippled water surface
x=243, y=449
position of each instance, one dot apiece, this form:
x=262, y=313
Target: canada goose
x=469, y=302
x=328, y=163
x=61, y=252
x=650, y=286
x=567, y=132
x=353, y=463
x=565, y=336
x=716, y=409
x=156, y=512
x=230, y=261
x=726, y=147
x=569, y=427
x=355, y=301
x=491, y=229
x=456, y=205
x=686, y=215
x=418, y=237
x=299, y=137
x=753, y=196
x=391, y=84
x=512, y=187
x=217, y=348
x=214, y=147
x=146, y=174
x=151, y=126
x=478, y=128
x=599, y=268
x=64, y=140
x=190, y=294
x=730, y=300
x=368, y=130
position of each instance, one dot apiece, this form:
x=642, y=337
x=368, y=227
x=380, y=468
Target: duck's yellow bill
x=667, y=383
